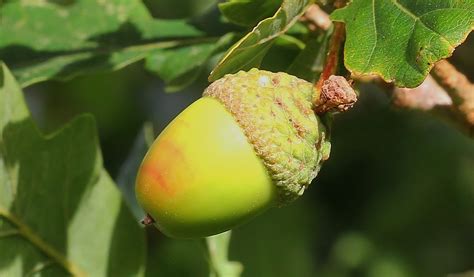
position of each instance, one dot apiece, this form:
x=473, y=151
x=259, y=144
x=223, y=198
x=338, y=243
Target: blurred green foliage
x=395, y=199
x=60, y=211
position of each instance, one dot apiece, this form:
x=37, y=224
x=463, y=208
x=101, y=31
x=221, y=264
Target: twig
x=459, y=89
x=316, y=18
x=332, y=60
x=334, y=93
x=335, y=47
x=425, y=97
x=448, y=94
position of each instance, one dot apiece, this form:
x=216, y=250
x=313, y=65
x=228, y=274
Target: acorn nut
x=251, y=142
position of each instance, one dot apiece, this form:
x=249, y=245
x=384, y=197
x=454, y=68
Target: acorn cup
x=253, y=141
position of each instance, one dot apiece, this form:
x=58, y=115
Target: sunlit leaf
x=128, y=170
x=51, y=41
x=248, y=12
x=60, y=212
x=180, y=66
x=250, y=50
x=400, y=40
x=309, y=63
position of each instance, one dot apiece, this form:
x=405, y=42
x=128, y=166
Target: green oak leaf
x=51, y=41
x=309, y=63
x=180, y=66
x=178, y=9
x=248, y=12
x=400, y=40
x=60, y=212
x=284, y=50
x=129, y=169
x=249, y=51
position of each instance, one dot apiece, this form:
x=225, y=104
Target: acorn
x=253, y=141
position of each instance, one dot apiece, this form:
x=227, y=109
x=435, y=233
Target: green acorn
x=252, y=141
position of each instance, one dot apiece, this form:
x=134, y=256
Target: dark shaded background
x=395, y=199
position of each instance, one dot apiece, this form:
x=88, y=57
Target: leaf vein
x=27, y=233
x=416, y=18
x=371, y=55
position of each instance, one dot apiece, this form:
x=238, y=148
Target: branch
x=333, y=93
x=447, y=93
x=459, y=89
x=316, y=18
x=332, y=59
x=335, y=47
x=425, y=97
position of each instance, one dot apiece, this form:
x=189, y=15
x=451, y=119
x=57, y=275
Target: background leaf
x=128, y=171
x=309, y=63
x=284, y=50
x=248, y=12
x=400, y=40
x=181, y=9
x=250, y=50
x=60, y=212
x=179, y=67
x=50, y=41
